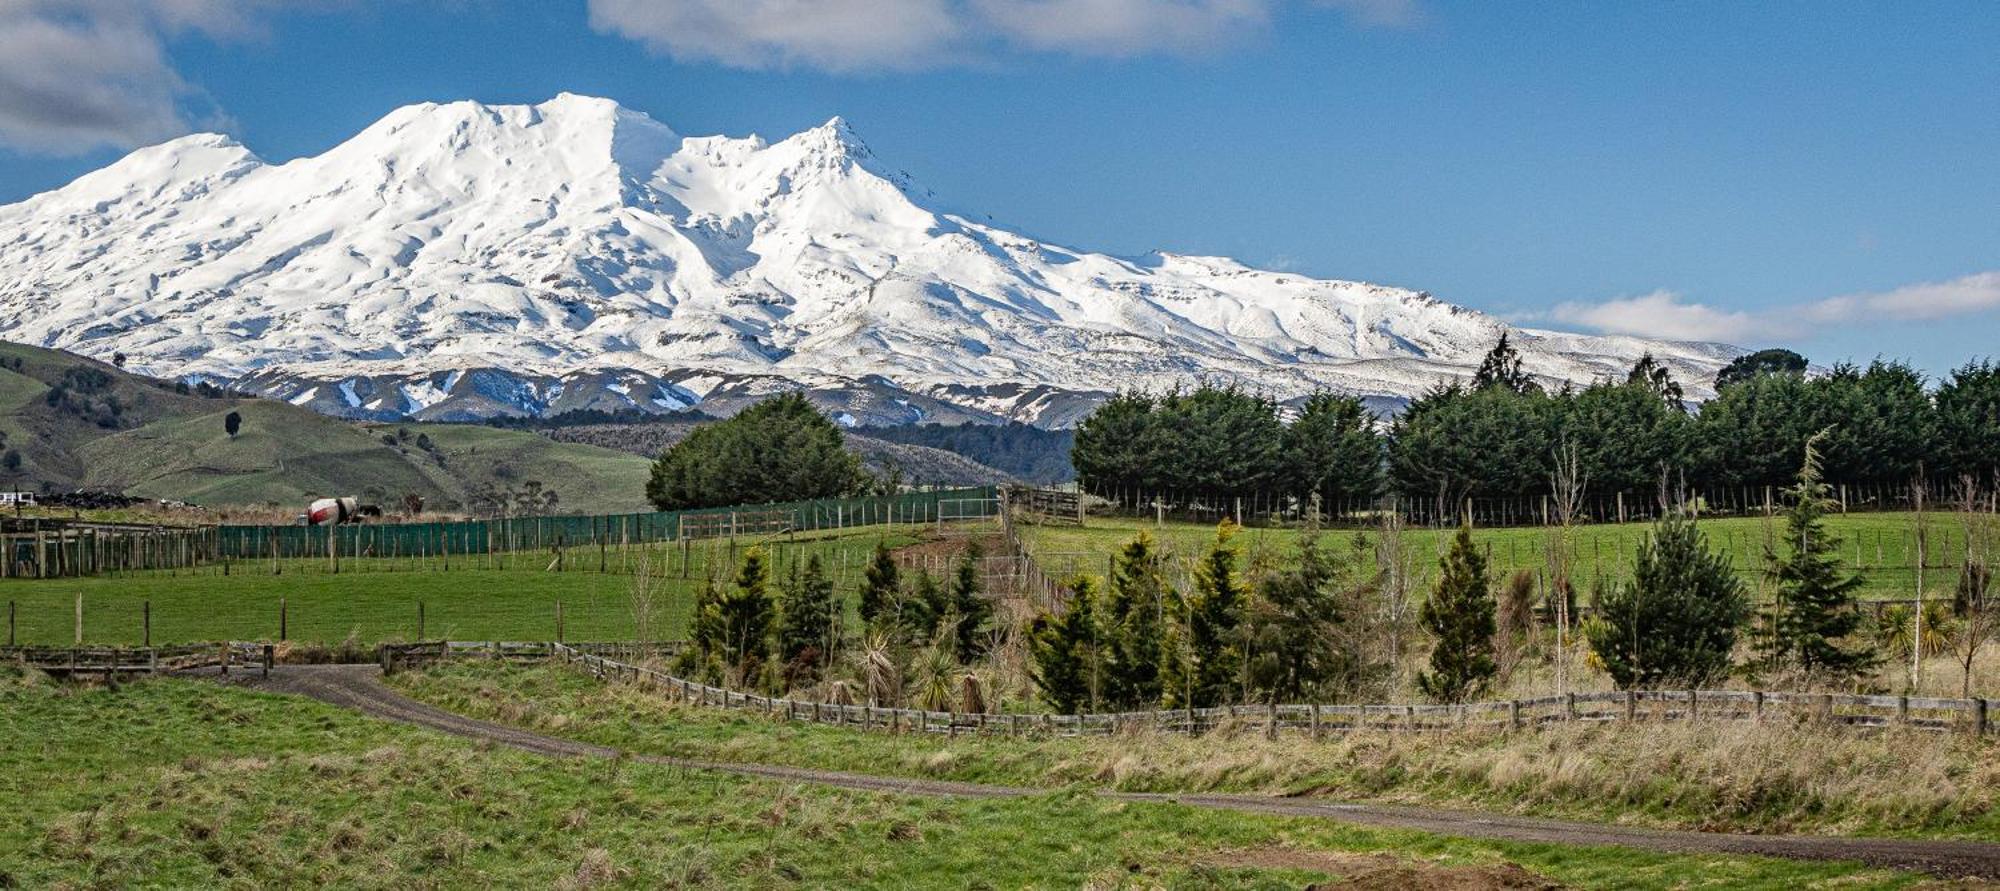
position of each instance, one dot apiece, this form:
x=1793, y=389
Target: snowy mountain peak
x=463, y=259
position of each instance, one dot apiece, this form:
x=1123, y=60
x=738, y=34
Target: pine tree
x=1295, y=649
x=1816, y=607
x=1677, y=622
x=1067, y=652
x=969, y=611
x=880, y=582
x=1460, y=613
x=703, y=656
x=746, y=613
x=1502, y=368
x=806, y=636
x=1649, y=373
x=922, y=608
x=1207, y=660
x=1133, y=626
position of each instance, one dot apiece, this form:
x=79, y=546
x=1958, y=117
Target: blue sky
x=1822, y=175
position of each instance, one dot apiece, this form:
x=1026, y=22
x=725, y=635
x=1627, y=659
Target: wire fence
x=590, y=540
x=1268, y=508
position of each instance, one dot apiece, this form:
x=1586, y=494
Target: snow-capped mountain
x=463, y=260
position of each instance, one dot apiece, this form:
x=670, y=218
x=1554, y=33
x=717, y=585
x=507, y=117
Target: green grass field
x=172, y=783
x=1881, y=545
x=503, y=597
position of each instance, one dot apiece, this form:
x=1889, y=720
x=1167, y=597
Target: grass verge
x=1721, y=776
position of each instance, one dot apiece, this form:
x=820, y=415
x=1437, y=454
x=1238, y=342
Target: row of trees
x=1294, y=634
x=1312, y=632
x=781, y=633
x=1499, y=435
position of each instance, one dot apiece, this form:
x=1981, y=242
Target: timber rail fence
x=1970, y=716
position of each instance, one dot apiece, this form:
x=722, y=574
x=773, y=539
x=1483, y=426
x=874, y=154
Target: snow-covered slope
x=463, y=260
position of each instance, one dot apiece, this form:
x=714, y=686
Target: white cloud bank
x=877, y=35
x=80, y=74
x=1668, y=314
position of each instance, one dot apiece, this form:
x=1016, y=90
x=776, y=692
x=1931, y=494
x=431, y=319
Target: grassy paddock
x=504, y=597
x=171, y=783
x=1734, y=776
x=1881, y=545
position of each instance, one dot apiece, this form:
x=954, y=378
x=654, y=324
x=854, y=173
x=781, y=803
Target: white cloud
x=862, y=35
x=1120, y=27
x=1380, y=13
x=1660, y=314
x=1667, y=314
x=79, y=74
x=837, y=35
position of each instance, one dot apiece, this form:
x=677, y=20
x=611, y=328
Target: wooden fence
x=112, y=662
x=1966, y=715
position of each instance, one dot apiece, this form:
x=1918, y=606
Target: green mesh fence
x=445, y=538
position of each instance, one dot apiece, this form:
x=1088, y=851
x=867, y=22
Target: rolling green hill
x=70, y=422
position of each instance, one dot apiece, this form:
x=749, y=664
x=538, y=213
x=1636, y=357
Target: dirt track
x=360, y=687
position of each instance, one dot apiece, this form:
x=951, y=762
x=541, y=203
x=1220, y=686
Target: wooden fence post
x=420, y=620
x=1902, y=710
x=10, y=623
x=284, y=620
x=559, y=622
x=1757, y=706
x=79, y=618
x=1569, y=706
x=1826, y=707
x=1514, y=713
x=1631, y=706
x=270, y=654
x=1978, y=724
x=145, y=622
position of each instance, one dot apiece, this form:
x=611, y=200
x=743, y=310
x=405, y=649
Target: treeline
x=1502, y=435
x=1023, y=451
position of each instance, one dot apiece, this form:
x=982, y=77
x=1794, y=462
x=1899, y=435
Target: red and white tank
x=330, y=510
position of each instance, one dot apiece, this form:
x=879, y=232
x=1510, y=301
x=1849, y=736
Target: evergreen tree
x=706, y=633
x=1456, y=443
x=1751, y=433
x=1066, y=652
x=1502, y=368
x=1113, y=452
x=1460, y=614
x=1816, y=607
x=923, y=608
x=1209, y=670
x=1650, y=374
x=781, y=449
x=1295, y=649
x=806, y=637
x=1968, y=421
x=1133, y=618
x=1626, y=436
x=1757, y=364
x=1676, y=623
x=880, y=585
x=968, y=609
x=1331, y=450
x=745, y=614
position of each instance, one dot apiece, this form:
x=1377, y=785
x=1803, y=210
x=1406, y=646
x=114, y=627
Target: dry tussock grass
x=1737, y=774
